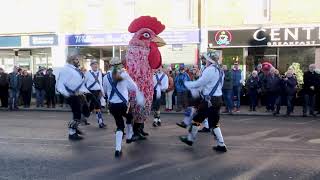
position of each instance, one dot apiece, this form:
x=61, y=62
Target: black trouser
x=309, y=102
x=156, y=102
x=94, y=99
x=253, y=94
x=290, y=104
x=212, y=113
x=118, y=111
x=78, y=106
x=4, y=94
x=51, y=98
x=26, y=97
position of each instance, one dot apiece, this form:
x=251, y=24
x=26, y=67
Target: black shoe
x=185, y=140
x=102, y=126
x=75, y=137
x=182, y=124
x=118, y=154
x=138, y=136
x=159, y=123
x=128, y=141
x=220, y=148
x=204, y=130
x=86, y=123
x=79, y=132
x=314, y=115
x=304, y=115
x=144, y=133
x=154, y=124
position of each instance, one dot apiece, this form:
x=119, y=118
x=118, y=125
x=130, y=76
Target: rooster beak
x=159, y=41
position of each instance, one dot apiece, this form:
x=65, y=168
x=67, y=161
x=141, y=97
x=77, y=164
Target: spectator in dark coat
x=50, y=88
x=182, y=91
x=4, y=88
x=39, y=85
x=26, y=88
x=290, y=88
x=272, y=89
x=14, y=80
x=237, y=78
x=310, y=83
x=253, y=86
x=277, y=89
x=227, y=89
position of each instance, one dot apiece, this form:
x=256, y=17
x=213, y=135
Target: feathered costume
x=142, y=58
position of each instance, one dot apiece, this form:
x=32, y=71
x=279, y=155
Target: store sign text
x=43, y=40
x=289, y=36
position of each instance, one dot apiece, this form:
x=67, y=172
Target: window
x=258, y=11
x=302, y=55
x=94, y=15
x=182, y=12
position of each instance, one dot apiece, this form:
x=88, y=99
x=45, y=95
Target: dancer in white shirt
x=71, y=84
x=117, y=84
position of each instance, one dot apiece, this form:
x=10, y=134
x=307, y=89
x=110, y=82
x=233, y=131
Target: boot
x=137, y=132
x=142, y=130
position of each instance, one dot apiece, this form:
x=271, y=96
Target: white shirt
x=70, y=77
x=89, y=80
x=164, y=83
x=124, y=86
x=207, y=81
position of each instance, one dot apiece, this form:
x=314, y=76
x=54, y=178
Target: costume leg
x=214, y=118
x=75, y=104
x=156, y=113
x=197, y=120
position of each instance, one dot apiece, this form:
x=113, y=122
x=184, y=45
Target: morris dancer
x=117, y=84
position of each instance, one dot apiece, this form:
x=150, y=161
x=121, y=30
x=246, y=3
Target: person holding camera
x=290, y=85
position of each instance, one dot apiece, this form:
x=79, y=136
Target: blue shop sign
x=10, y=41
x=170, y=37
x=43, y=40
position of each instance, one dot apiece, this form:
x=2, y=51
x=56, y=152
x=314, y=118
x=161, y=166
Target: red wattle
x=154, y=57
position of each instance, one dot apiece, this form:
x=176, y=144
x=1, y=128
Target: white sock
x=129, y=131
x=219, y=137
x=119, y=135
x=100, y=121
x=193, y=133
x=188, y=119
x=206, y=123
x=72, y=131
x=155, y=120
x=159, y=120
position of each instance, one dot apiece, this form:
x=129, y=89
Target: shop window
x=94, y=15
x=302, y=55
x=182, y=12
x=7, y=60
x=258, y=11
x=232, y=55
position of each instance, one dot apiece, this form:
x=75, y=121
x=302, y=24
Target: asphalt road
x=34, y=145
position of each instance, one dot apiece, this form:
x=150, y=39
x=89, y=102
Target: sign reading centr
x=289, y=36
x=286, y=36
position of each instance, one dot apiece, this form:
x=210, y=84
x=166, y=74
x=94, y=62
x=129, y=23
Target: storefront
x=280, y=46
x=181, y=46
x=27, y=51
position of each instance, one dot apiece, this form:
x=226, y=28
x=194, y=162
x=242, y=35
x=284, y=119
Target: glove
x=140, y=98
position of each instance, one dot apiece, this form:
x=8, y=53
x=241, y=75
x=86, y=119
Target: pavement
x=244, y=110
x=34, y=146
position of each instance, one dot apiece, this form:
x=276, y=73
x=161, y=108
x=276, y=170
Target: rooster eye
x=146, y=35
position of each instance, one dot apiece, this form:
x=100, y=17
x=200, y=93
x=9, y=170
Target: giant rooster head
x=146, y=30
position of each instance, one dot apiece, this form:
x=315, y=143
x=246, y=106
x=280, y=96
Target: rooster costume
x=142, y=59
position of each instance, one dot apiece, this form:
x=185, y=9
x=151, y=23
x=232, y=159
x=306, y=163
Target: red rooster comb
x=146, y=22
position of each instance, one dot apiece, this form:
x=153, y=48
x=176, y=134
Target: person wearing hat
x=94, y=84
x=117, y=84
x=71, y=84
x=161, y=84
x=182, y=91
x=211, y=83
x=38, y=81
x=50, y=88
